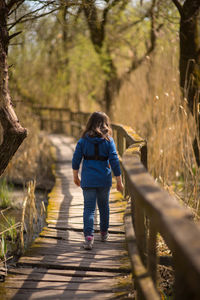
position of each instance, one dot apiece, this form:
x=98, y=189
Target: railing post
x=140, y=229
x=181, y=288
x=68, y=125
x=151, y=251
x=41, y=123
x=61, y=121
x=115, y=137
x=50, y=120
x=144, y=155
x=120, y=142
x=71, y=123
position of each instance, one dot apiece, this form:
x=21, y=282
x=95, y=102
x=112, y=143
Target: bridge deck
x=57, y=266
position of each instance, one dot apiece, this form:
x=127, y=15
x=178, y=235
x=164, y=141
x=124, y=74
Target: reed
x=8, y=236
x=30, y=216
x=152, y=104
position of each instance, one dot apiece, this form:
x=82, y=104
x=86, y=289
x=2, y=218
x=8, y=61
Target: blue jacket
x=96, y=173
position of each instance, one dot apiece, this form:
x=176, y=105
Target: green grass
x=8, y=237
x=5, y=190
x=12, y=233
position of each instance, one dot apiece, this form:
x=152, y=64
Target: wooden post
x=41, y=123
x=144, y=155
x=120, y=142
x=115, y=137
x=71, y=120
x=151, y=251
x=68, y=125
x=50, y=118
x=181, y=289
x=140, y=230
x=60, y=121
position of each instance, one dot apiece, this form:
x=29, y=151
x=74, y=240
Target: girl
x=97, y=149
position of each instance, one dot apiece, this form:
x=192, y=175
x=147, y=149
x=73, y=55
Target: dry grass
x=151, y=103
x=32, y=213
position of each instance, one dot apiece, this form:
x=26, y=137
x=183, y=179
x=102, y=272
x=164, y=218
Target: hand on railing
x=120, y=186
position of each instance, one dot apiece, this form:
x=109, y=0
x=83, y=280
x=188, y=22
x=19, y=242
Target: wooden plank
x=65, y=226
x=80, y=252
x=45, y=240
x=36, y=277
x=75, y=263
x=78, y=256
x=35, y=294
x=61, y=285
x=74, y=221
x=62, y=273
x=74, y=235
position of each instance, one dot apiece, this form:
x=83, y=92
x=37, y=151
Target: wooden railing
x=60, y=120
x=150, y=211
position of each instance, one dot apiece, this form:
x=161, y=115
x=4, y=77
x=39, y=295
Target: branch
x=134, y=23
x=153, y=38
x=105, y=14
x=14, y=35
x=191, y=8
x=11, y=3
x=80, y=9
x=17, y=6
x=179, y=6
x=32, y=18
x=39, y=16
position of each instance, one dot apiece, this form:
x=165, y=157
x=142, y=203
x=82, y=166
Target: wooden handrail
x=151, y=210
x=154, y=211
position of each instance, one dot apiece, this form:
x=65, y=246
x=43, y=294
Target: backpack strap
x=96, y=155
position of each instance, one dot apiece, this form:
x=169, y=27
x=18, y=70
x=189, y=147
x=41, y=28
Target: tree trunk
x=111, y=89
x=190, y=54
x=112, y=82
x=190, y=63
x=13, y=132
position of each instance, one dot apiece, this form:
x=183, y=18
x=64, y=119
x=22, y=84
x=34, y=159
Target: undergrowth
x=5, y=191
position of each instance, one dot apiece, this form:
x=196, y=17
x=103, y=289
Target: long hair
x=98, y=125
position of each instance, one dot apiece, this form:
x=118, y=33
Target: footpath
x=57, y=266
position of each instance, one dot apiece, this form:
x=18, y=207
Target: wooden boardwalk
x=57, y=266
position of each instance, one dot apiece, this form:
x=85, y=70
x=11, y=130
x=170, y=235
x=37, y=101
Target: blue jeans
x=91, y=196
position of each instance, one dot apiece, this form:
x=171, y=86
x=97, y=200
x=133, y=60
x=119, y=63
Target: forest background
x=122, y=57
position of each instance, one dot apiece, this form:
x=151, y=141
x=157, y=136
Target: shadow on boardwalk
x=57, y=266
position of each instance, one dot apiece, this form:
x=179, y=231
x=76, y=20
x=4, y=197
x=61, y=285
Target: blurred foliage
x=54, y=62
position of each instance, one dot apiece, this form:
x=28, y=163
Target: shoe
x=88, y=243
x=104, y=236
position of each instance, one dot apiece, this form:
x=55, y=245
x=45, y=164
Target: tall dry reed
x=152, y=104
